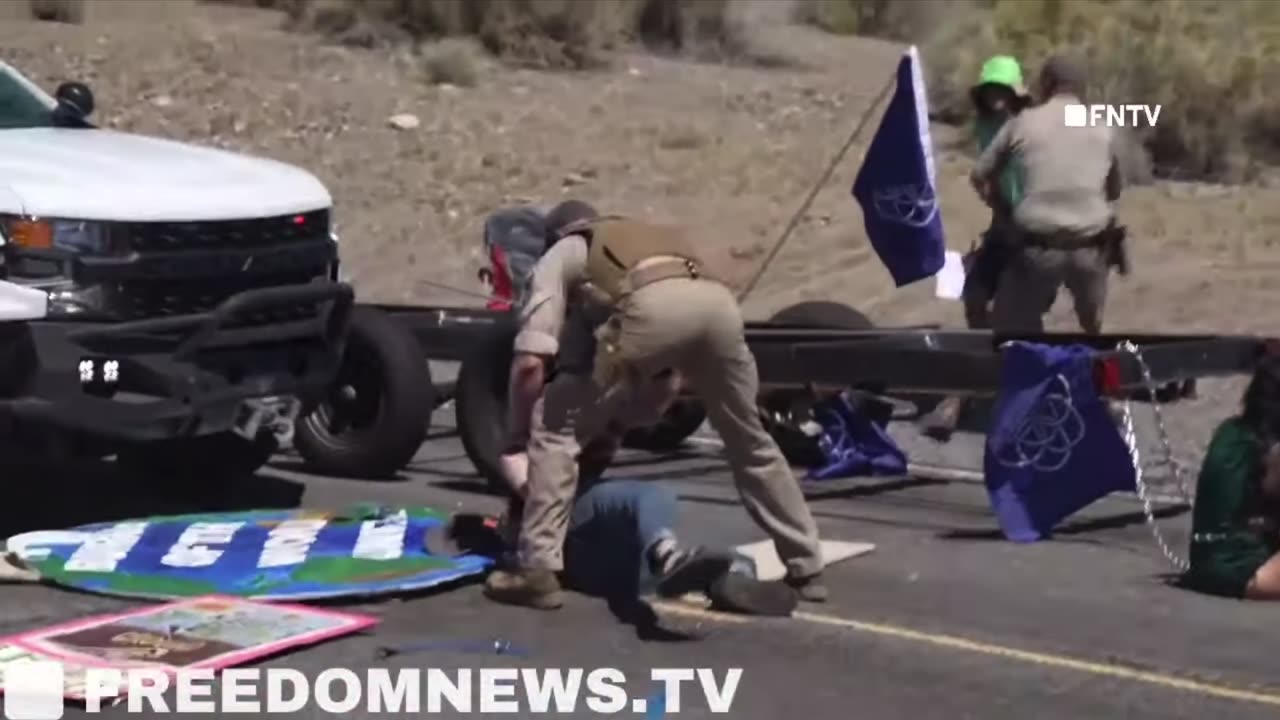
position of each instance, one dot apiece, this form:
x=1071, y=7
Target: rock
x=162, y=101
x=404, y=121
x=574, y=179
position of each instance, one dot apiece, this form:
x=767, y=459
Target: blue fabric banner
x=897, y=186
x=853, y=445
x=1053, y=447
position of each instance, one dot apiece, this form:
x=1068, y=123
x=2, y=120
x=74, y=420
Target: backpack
x=514, y=239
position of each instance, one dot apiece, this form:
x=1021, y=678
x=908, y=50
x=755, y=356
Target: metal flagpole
x=822, y=181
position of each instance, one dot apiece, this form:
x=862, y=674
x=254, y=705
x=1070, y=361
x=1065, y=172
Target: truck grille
x=143, y=237
x=135, y=300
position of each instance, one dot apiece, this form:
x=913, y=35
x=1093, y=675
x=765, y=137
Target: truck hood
x=105, y=175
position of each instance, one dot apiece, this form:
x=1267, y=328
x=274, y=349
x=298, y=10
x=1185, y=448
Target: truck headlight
x=77, y=236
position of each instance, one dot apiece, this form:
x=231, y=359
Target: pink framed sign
x=205, y=632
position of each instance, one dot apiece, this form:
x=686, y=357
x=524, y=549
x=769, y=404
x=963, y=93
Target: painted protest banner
x=262, y=554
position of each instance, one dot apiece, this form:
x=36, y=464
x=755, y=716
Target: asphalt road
x=943, y=620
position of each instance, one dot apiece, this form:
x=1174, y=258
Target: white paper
x=951, y=277
x=770, y=567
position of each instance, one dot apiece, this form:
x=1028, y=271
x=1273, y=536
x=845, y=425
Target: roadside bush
x=1210, y=65
x=561, y=34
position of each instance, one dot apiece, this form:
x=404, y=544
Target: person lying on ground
x=621, y=543
x=1235, y=525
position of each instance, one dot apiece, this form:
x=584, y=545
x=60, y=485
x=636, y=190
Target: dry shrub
x=893, y=19
x=569, y=34
x=67, y=11
x=1208, y=64
x=451, y=61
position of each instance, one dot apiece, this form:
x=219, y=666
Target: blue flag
x=852, y=444
x=897, y=187
x=1053, y=447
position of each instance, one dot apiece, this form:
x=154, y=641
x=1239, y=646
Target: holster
x=1114, y=241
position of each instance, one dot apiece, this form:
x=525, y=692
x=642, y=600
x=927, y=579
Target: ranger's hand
x=515, y=470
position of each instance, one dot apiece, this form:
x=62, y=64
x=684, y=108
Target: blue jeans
x=612, y=527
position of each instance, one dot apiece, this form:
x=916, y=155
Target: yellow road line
x=953, y=642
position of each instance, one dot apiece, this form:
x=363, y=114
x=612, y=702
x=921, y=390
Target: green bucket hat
x=1003, y=71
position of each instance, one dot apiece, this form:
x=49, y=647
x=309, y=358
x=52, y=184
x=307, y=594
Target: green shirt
x=984, y=130
x=1225, y=553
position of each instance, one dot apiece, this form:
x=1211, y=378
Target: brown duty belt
x=1070, y=241
x=662, y=270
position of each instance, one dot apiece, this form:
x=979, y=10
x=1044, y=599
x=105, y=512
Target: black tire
x=823, y=314
x=783, y=411
x=480, y=404
x=195, y=464
x=379, y=409
x=683, y=419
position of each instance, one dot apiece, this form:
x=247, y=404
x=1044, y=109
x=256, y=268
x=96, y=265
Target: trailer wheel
x=681, y=420
x=480, y=404
x=193, y=464
x=785, y=412
x=823, y=314
x=379, y=408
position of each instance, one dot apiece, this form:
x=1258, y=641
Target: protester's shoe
x=683, y=571
x=810, y=588
x=941, y=423
x=740, y=593
x=538, y=589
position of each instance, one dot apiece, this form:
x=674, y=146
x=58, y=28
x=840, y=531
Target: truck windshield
x=19, y=107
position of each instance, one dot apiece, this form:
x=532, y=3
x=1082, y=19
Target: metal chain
x=1131, y=440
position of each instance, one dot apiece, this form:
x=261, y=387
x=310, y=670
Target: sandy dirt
x=730, y=151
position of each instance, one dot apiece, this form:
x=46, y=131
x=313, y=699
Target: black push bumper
x=182, y=376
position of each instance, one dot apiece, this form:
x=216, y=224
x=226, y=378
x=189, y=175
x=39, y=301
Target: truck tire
x=194, y=464
x=379, y=409
x=784, y=411
x=480, y=404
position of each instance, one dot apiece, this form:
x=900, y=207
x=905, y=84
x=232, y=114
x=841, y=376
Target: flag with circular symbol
x=897, y=184
x=1053, y=447
x=262, y=554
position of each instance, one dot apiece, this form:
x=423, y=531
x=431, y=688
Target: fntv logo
x=1130, y=116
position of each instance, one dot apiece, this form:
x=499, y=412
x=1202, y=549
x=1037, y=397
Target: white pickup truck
x=174, y=305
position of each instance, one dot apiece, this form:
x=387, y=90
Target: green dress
x=1225, y=553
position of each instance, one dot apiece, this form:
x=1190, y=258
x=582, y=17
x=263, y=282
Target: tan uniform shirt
x=1070, y=174
x=555, y=321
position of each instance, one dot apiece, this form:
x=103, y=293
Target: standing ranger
x=1063, y=227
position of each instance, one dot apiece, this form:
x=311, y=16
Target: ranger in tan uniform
x=1070, y=179
x=664, y=315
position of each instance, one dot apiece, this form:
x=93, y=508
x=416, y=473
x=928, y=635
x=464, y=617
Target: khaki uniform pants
x=696, y=327
x=1029, y=286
